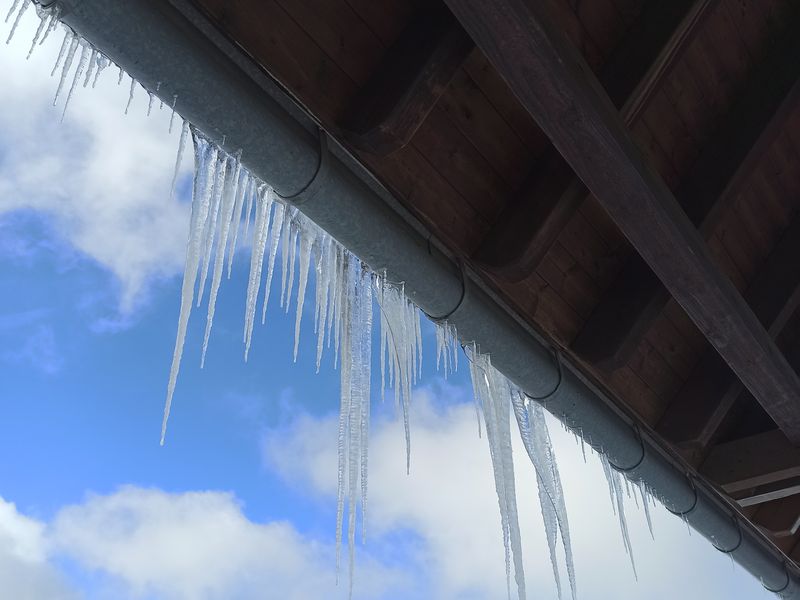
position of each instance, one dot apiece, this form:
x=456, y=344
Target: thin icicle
x=237, y=214
x=11, y=10
x=179, y=158
x=228, y=195
x=150, y=103
x=323, y=281
x=646, y=505
x=172, y=116
x=121, y=75
x=263, y=206
x=211, y=230
x=73, y=46
x=618, y=503
x=248, y=211
x=90, y=68
x=44, y=26
x=305, y=261
x=274, y=240
x=292, y=260
x=68, y=37
x=22, y=9
x=55, y=14
x=205, y=159
x=84, y=59
x=130, y=94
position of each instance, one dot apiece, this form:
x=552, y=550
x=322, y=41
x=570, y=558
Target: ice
x=446, y=348
x=73, y=46
x=263, y=206
x=11, y=10
x=248, y=193
x=305, y=261
x=68, y=37
x=205, y=161
x=274, y=240
x=55, y=14
x=84, y=60
x=226, y=211
x=172, y=116
x=179, y=158
x=90, y=67
x=237, y=215
x=399, y=340
x=44, y=25
x=130, y=95
x=615, y=483
x=22, y=9
x=213, y=216
x=495, y=394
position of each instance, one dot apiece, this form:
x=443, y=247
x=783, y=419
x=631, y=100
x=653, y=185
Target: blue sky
x=240, y=503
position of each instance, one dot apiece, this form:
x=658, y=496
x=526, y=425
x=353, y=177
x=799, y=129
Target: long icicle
x=205, y=159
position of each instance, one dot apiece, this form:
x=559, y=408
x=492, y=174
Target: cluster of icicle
x=224, y=196
x=90, y=64
x=227, y=198
x=495, y=397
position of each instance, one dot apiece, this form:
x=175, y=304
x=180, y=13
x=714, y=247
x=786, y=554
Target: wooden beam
x=614, y=330
x=559, y=90
x=780, y=518
x=695, y=414
x=768, y=492
x=530, y=225
x=752, y=461
x=407, y=83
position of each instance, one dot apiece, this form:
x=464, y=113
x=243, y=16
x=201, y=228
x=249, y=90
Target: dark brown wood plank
x=722, y=170
x=408, y=82
x=531, y=223
x=780, y=518
x=556, y=86
x=752, y=461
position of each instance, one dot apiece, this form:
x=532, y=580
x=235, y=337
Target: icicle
x=285, y=239
x=172, y=116
x=91, y=66
x=84, y=59
x=323, y=280
x=646, y=506
x=618, y=504
x=22, y=9
x=44, y=26
x=295, y=232
x=68, y=37
x=274, y=239
x=305, y=261
x=211, y=230
x=229, y=193
x=237, y=213
x=11, y=10
x=102, y=64
x=130, y=95
x=249, y=194
x=179, y=158
x=494, y=393
x=55, y=14
x=73, y=46
x=205, y=159
x=121, y=75
x=263, y=205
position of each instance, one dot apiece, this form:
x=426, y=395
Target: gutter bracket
x=318, y=180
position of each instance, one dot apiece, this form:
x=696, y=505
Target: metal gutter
x=227, y=97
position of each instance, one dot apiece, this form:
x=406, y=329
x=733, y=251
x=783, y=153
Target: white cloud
x=102, y=176
x=25, y=573
x=450, y=504
x=200, y=545
x=139, y=542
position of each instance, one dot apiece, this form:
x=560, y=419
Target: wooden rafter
x=406, y=85
x=551, y=194
x=562, y=94
x=625, y=314
x=708, y=394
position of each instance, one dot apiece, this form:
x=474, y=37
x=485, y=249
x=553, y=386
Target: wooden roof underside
x=707, y=193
